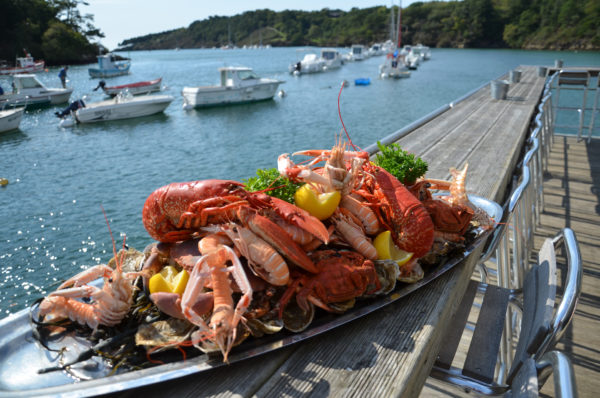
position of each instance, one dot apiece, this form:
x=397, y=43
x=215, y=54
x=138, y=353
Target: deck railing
x=577, y=93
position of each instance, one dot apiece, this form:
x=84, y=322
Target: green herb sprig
x=270, y=178
x=401, y=164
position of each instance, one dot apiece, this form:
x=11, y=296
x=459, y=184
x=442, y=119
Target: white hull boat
x=238, y=85
x=394, y=67
x=311, y=63
x=358, y=52
x=332, y=58
x=120, y=107
x=24, y=65
x=28, y=90
x=10, y=119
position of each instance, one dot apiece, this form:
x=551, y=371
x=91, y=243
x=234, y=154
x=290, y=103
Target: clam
x=295, y=319
x=342, y=306
x=164, y=334
x=261, y=326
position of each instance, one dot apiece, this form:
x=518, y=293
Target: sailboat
x=395, y=65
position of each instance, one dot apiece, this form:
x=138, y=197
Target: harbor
x=477, y=129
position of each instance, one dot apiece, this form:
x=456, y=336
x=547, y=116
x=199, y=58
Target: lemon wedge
x=321, y=205
x=386, y=249
x=169, y=280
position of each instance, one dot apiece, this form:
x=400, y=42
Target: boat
x=412, y=59
x=237, y=85
x=10, y=118
x=123, y=106
x=394, y=67
x=28, y=90
x=375, y=50
x=24, y=64
x=332, y=58
x=422, y=51
x=137, y=88
x=358, y=52
x=311, y=63
x=111, y=65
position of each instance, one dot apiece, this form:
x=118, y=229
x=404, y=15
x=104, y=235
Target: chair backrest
x=534, y=374
x=539, y=294
x=543, y=322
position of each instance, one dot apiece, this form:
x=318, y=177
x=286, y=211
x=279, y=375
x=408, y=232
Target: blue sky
x=124, y=19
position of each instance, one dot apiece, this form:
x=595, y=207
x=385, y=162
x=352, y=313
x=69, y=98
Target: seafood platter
x=241, y=269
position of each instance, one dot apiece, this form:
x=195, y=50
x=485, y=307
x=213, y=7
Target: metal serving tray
x=21, y=355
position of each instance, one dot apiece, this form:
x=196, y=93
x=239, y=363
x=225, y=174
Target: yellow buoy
x=3, y=182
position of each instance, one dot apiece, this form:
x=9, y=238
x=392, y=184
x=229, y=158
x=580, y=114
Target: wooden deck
x=572, y=199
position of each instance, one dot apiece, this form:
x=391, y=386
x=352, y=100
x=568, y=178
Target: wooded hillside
x=53, y=30
x=529, y=24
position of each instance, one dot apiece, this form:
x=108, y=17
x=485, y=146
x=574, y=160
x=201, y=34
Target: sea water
x=51, y=220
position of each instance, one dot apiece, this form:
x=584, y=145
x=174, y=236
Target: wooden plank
x=485, y=343
x=456, y=328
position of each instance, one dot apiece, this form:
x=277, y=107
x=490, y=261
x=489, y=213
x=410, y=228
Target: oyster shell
x=295, y=319
x=387, y=272
x=415, y=275
x=132, y=260
x=165, y=334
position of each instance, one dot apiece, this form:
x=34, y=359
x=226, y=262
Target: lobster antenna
x=111, y=237
x=341, y=120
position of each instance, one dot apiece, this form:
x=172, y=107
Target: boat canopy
x=229, y=76
x=26, y=81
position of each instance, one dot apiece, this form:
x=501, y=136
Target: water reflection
x=13, y=138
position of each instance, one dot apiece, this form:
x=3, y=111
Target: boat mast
x=392, y=27
x=400, y=25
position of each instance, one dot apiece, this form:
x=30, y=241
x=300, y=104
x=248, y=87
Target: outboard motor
x=71, y=108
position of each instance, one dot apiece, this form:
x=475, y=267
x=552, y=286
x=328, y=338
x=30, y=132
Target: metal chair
x=542, y=325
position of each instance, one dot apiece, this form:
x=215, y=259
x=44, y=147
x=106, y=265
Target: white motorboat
x=375, y=50
x=422, y=51
x=358, y=52
x=10, y=119
x=394, y=67
x=238, y=85
x=311, y=63
x=24, y=64
x=28, y=90
x=123, y=106
x=332, y=58
x=412, y=59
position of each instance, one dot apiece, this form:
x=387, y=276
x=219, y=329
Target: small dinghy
x=137, y=88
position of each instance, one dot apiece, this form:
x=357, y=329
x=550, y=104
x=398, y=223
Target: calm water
x=52, y=223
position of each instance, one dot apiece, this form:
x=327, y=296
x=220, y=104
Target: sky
x=125, y=19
